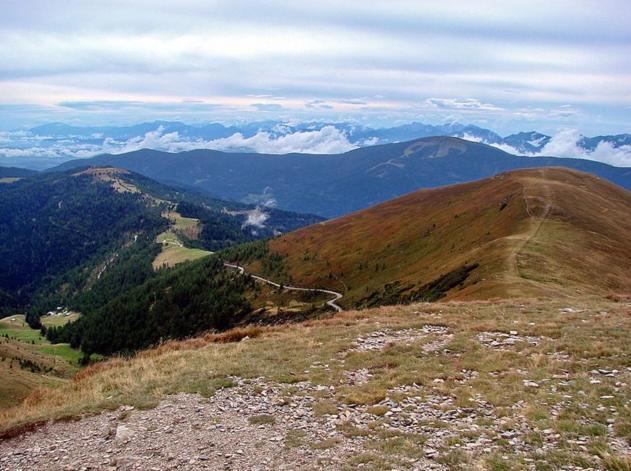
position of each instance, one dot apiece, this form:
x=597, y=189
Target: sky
x=508, y=66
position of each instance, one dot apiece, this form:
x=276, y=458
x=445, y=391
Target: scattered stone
x=502, y=340
x=530, y=384
x=358, y=377
x=187, y=432
x=431, y=453
x=380, y=339
x=123, y=433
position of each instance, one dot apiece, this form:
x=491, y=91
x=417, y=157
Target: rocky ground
x=258, y=424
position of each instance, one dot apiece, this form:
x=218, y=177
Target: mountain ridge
x=334, y=184
x=533, y=232
x=50, y=144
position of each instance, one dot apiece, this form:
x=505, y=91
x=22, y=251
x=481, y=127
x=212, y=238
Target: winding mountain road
x=332, y=302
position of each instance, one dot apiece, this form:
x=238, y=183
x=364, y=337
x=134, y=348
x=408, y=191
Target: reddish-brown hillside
x=529, y=232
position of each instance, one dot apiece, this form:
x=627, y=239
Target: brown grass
x=540, y=232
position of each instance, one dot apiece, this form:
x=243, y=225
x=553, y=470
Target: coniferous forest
x=173, y=304
x=75, y=241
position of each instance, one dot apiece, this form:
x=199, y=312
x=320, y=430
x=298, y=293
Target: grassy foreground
x=566, y=375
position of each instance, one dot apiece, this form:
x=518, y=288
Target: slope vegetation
x=28, y=361
x=529, y=232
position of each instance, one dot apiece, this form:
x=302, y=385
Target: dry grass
x=263, y=419
x=172, y=255
x=56, y=321
x=568, y=401
x=540, y=232
x=28, y=361
x=190, y=227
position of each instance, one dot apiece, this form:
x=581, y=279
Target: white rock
x=123, y=433
x=530, y=384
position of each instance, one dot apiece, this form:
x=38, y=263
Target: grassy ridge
x=530, y=232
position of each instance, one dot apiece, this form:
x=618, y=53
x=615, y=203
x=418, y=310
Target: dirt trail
x=535, y=221
x=332, y=303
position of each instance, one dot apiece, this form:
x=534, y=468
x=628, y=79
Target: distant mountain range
x=15, y=172
x=335, y=184
x=524, y=142
x=51, y=144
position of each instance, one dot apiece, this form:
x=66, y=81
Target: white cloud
x=462, y=104
x=507, y=148
x=371, y=141
x=470, y=137
x=606, y=152
x=566, y=143
x=327, y=140
x=256, y=218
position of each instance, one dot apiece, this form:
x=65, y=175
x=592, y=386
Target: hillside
x=14, y=172
x=28, y=361
x=51, y=224
x=336, y=184
x=82, y=236
x=510, y=385
x=537, y=232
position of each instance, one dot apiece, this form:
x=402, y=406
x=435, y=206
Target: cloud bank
x=567, y=143
x=284, y=138
x=327, y=140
